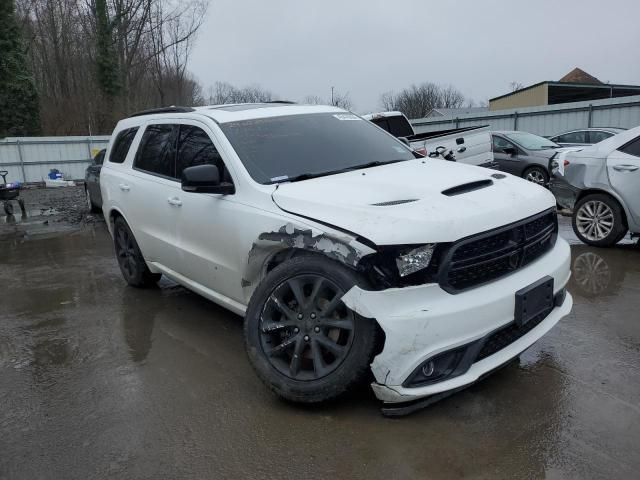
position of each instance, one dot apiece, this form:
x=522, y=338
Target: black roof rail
x=172, y=109
x=288, y=102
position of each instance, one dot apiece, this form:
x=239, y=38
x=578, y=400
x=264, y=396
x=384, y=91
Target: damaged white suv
x=345, y=251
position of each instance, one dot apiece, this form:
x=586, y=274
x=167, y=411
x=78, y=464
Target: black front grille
x=490, y=255
x=507, y=335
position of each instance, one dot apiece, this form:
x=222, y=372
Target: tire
x=8, y=208
x=130, y=260
x=315, y=358
x=537, y=175
x=598, y=220
x=90, y=204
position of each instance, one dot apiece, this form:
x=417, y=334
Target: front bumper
x=565, y=193
x=422, y=321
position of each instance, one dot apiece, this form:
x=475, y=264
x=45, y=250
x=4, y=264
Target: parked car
x=585, y=136
x=600, y=184
x=92, y=183
x=343, y=249
x=470, y=145
x=523, y=154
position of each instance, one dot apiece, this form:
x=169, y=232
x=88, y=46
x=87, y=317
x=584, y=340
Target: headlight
x=415, y=259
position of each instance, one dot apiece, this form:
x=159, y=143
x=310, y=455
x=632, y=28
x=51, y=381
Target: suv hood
x=403, y=203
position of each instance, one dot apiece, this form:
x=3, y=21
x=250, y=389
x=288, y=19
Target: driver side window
x=196, y=148
x=499, y=144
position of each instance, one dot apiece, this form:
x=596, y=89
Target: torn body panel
x=288, y=239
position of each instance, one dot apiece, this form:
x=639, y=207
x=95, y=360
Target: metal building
x=546, y=120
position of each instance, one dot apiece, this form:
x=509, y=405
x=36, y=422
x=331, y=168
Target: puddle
x=18, y=217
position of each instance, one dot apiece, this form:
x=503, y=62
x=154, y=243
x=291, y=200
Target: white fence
x=621, y=112
x=29, y=159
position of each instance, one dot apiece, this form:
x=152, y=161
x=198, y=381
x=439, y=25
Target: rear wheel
x=132, y=265
x=598, y=220
x=536, y=175
x=302, y=340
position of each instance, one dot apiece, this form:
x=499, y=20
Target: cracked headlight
x=415, y=259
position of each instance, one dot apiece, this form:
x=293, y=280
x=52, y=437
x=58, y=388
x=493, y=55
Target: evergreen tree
x=19, y=108
x=106, y=61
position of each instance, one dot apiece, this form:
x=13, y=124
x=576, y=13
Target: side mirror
x=405, y=141
x=510, y=151
x=205, y=179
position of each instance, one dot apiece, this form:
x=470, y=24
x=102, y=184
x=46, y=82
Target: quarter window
x=598, y=136
x=121, y=145
x=573, y=137
x=632, y=148
x=157, y=152
x=195, y=148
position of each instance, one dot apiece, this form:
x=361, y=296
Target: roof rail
x=172, y=109
x=289, y=102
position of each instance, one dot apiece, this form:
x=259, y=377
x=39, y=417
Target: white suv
x=343, y=249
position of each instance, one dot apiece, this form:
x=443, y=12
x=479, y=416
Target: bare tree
x=341, y=100
x=221, y=93
x=514, y=86
x=417, y=101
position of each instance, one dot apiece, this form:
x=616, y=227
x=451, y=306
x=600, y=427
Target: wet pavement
x=99, y=380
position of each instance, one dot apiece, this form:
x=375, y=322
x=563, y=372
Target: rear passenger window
x=196, y=148
x=399, y=127
x=121, y=145
x=632, y=148
x=157, y=151
x=573, y=137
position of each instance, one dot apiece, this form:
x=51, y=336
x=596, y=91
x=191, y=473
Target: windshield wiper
x=309, y=175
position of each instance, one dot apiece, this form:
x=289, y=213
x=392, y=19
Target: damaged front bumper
x=423, y=322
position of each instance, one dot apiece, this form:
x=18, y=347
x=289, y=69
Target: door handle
x=175, y=201
x=625, y=168
x=124, y=187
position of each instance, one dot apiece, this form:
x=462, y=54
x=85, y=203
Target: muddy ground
x=99, y=380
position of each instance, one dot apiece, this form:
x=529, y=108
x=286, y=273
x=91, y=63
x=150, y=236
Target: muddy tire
x=598, y=220
x=90, y=204
x=537, y=175
x=130, y=260
x=302, y=341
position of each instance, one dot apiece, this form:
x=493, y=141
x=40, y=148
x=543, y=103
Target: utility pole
x=332, y=96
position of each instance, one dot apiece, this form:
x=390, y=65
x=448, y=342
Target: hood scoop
x=394, y=202
x=467, y=187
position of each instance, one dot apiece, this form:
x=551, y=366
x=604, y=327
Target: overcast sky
x=296, y=48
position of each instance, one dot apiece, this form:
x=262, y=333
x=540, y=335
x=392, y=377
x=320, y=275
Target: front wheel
x=598, y=220
x=302, y=340
x=536, y=175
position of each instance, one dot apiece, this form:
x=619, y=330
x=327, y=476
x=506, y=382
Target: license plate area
x=533, y=300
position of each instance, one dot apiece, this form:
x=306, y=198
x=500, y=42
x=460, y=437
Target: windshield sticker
x=347, y=116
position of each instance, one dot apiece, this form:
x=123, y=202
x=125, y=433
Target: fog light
x=428, y=369
x=442, y=366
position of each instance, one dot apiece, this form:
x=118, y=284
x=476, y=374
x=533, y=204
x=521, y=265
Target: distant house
x=454, y=112
x=576, y=86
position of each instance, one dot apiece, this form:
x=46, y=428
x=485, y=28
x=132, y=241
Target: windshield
x=531, y=141
x=278, y=149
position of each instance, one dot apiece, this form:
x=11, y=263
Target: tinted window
x=382, y=123
x=595, y=137
x=157, y=150
x=121, y=145
x=195, y=148
x=530, y=141
x=276, y=149
x=573, y=137
x=632, y=148
x=400, y=127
